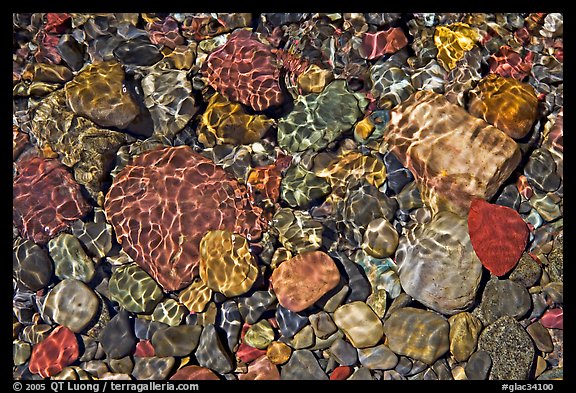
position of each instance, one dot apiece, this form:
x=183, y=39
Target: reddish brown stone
x=265, y=180
x=47, y=52
x=162, y=204
x=375, y=45
x=260, y=369
x=193, y=373
x=498, y=235
x=553, y=319
x=46, y=199
x=508, y=63
x=144, y=349
x=524, y=188
x=245, y=70
x=165, y=32
x=300, y=281
x=55, y=352
x=340, y=373
x=57, y=23
x=246, y=353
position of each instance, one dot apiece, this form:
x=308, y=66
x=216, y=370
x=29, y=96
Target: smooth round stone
x=444, y=278
x=404, y=366
x=95, y=367
x=527, y=272
x=359, y=323
x=69, y=258
x=302, y=365
x=211, y=353
x=252, y=307
x=123, y=365
x=341, y=373
x=419, y=334
x=191, y=373
x=380, y=238
x=464, y=331
x=73, y=304
x=278, y=352
x=510, y=348
x=226, y=264
x=176, y=340
x=303, y=339
x=152, y=368
x=134, y=289
x=379, y=357
x=57, y=351
x=21, y=351
x=540, y=336
x=289, y=322
x=117, y=337
x=503, y=297
x=259, y=335
x=302, y=280
x=459, y=373
x=170, y=312
x=540, y=170
x=31, y=265
x=344, y=353
x=196, y=296
x=322, y=324
x=260, y=369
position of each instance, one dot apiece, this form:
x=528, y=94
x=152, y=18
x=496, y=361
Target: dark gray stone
x=509, y=197
x=252, y=307
x=117, y=337
x=478, y=366
x=211, y=352
x=361, y=374
x=503, y=297
x=289, y=322
x=31, y=265
x=145, y=329
x=322, y=324
x=176, y=340
x=153, y=368
x=527, y=272
x=344, y=353
x=379, y=357
x=230, y=321
x=302, y=365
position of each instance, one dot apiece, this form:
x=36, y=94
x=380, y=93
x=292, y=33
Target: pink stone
x=553, y=319
x=246, y=353
x=376, y=45
x=508, y=63
x=144, y=349
x=191, y=373
x=498, y=235
x=340, y=373
x=261, y=369
x=55, y=352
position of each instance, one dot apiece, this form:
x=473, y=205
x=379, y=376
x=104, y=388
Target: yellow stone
x=453, y=41
x=182, y=57
x=364, y=128
x=196, y=296
x=459, y=374
x=540, y=366
x=226, y=264
x=226, y=122
x=278, y=352
x=314, y=79
x=464, y=331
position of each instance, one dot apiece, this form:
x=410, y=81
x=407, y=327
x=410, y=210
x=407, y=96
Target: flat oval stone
x=540, y=336
x=153, y=368
x=289, y=322
x=379, y=357
x=259, y=335
x=359, y=323
x=302, y=280
x=500, y=247
x=504, y=297
x=444, y=278
x=170, y=312
x=344, y=353
x=211, y=353
x=420, y=334
x=300, y=187
x=57, y=351
x=176, y=341
x=190, y=373
x=302, y=365
x=117, y=338
x=341, y=373
x=303, y=339
x=31, y=265
x=226, y=264
x=69, y=258
x=73, y=304
x=260, y=369
x=278, y=352
x=134, y=289
x=196, y=296
x=380, y=238
x=464, y=331
x=510, y=348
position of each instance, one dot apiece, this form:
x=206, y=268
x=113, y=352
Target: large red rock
x=340, y=373
x=191, y=373
x=300, y=281
x=57, y=351
x=498, y=235
x=380, y=43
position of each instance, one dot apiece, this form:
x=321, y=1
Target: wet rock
x=95, y=236
x=229, y=320
x=302, y=280
x=134, y=290
x=546, y=205
x=359, y=323
x=540, y=170
x=464, y=331
x=57, y=351
x=379, y=357
x=303, y=339
x=361, y=374
x=176, y=340
x=507, y=104
x=440, y=176
x=322, y=324
x=252, y=307
x=73, y=304
x=145, y=329
x=196, y=296
x=503, y=297
x=319, y=119
x=302, y=365
x=433, y=276
x=510, y=348
x=123, y=365
x=289, y=322
x=259, y=335
x=341, y=373
x=344, y=353
x=300, y=187
x=278, y=352
x=170, y=312
x=193, y=372
x=117, y=337
x=453, y=41
x=144, y=349
x=314, y=79
x=508, y=63
x=380, y=238
x=261, y=369
x=20, y=352
x=98, y=93
x=509, y=197
x=527, y=272
x=138, y=51
x=211, y=353
x=478, y=366
x=202, y=195
x=46, y=199
x=31, y=265
x=358, y=284
x=420, y=334
x=69, y=258
x=71, y=51
x=376, y=45
x=390, y=83
x=153, y=368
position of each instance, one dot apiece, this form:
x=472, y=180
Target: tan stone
x=464, y=331
x=359, y=323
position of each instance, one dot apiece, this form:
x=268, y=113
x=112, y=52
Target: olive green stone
x=176, y=340
x=170, y=312
x=380, y=238
x=134, y=289
x=35, y=334
x=464, y=331
x=259, y=335
x=96, y=236
x=300, y=187
x=20, y=352
x=31, y=265
x=70, y=259
x=297, y=231
x=303, y=339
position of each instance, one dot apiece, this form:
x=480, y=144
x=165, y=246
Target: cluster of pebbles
x=288, y=196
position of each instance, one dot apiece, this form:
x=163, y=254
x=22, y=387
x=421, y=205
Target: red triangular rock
x=57, y=351
x=498, y=235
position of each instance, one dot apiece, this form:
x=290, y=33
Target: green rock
x=70, y=259
x=300, y=187
x=259, y=335
x=134, y=289
x=170, y=312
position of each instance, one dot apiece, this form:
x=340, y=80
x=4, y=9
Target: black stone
x=212, y=353
x=117, y=337
x=478, y=366
x=71, y=52
x=509, y=197
x=138, y=51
